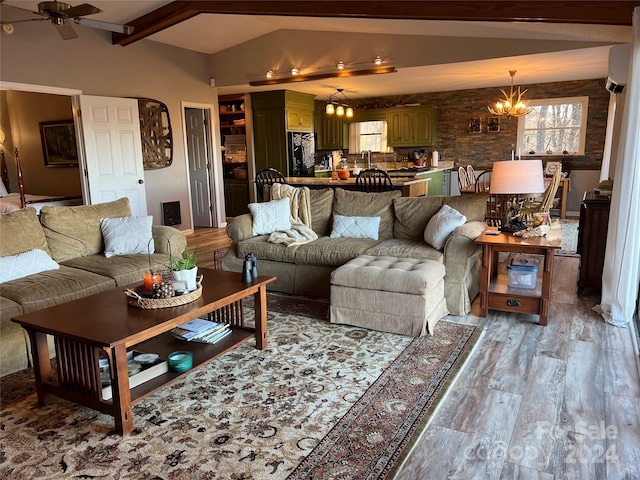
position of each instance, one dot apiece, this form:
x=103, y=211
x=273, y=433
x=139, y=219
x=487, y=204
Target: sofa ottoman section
x=396, y=295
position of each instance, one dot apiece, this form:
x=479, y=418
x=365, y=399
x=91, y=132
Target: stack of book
x=201, y=330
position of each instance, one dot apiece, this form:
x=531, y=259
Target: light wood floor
x=554, y=402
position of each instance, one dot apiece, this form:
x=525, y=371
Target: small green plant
x=186, y=261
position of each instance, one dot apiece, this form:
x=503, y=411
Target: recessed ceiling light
x=378, y=60
x=294, y=71
x=340, y=65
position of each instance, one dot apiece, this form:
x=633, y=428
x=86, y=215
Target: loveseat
x=73, y=239
x=306, y=269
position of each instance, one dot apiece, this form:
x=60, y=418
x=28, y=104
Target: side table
x=495, y=293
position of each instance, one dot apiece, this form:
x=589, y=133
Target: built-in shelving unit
x=233, y=130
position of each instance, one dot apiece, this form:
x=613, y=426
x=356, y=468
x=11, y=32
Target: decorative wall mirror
x=155, y=130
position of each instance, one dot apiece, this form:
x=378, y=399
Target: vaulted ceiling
x=435, y=45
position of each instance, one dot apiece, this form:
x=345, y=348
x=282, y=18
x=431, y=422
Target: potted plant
x=185, y=269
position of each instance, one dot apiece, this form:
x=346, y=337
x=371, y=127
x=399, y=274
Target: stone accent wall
x=457, y=108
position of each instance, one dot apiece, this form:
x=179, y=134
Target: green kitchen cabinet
x=236, y=197
x=274, y=115
x=436, y=182
x=332, y=132
x=412, y=126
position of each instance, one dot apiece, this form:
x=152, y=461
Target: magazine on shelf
x=197, y=328
x=146, y=373
x=214, y=337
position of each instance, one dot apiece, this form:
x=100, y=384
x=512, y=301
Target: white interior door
x=113, y=151
x=199, y=166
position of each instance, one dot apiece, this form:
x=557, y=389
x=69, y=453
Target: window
x=370, y=136
x=556, y=126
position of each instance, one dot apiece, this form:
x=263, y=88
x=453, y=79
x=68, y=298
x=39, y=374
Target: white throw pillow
x=269, y=217
x=441, y=225
x=3, y=190
x=127, y=235
x=355, y=227
x=25, y=263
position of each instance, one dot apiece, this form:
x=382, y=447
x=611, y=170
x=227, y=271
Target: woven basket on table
x=135, y=299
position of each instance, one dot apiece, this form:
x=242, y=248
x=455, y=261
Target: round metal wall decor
x=155, y=130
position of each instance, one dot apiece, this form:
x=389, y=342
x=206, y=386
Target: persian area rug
x=322, y=401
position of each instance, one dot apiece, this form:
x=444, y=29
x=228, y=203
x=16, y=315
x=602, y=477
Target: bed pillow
x=269, y=217
x=441, y=225
x=355, y=227
x=3, y=190
x=25, y=263
x=127, y=235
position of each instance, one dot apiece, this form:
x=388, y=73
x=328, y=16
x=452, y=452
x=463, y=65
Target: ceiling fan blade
x=25, y=10
x=112, y=27
x=66, y=31
x=81, y=10
x=27, y=20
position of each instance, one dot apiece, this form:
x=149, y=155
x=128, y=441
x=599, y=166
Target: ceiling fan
x=62, y=14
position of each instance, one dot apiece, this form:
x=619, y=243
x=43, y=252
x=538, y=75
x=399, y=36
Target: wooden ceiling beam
x=612, y=12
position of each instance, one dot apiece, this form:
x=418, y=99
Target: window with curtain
x=556, y=126
x=368, y=136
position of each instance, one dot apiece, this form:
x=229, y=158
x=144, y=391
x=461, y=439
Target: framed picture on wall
x=59, y=146
x=493, y=124
x=475, y=125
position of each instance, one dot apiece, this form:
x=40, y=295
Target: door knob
x=141, y=181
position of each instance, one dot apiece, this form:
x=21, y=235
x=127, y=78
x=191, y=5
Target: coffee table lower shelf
x=163, y=345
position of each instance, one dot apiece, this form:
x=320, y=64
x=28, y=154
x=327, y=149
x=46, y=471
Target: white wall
x=35, y=54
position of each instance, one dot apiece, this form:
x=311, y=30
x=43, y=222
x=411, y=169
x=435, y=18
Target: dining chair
x=544, y=206
x=465, y=183
x=483, y=182
x=374, y=180
x=267, y=176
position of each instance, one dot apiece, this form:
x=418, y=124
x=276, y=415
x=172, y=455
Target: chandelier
x=512, y=105
x=337, y=105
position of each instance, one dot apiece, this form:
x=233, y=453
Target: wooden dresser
x=592, y=239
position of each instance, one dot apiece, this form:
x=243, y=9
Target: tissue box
x=522, y=272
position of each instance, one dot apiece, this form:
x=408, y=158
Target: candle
x=512, y=155
x=148, y=284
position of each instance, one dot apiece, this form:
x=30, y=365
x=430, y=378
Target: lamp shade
x=517, y=176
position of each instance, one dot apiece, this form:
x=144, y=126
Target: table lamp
x=514, y=178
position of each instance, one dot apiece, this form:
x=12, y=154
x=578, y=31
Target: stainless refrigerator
x=302, y=154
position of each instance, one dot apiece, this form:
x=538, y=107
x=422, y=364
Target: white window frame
x=556, y=101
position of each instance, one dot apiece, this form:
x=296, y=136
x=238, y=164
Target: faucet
x=368, y=153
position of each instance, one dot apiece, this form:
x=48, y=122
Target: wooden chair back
x=374, y=180
x=267, y=176
x=483, y=182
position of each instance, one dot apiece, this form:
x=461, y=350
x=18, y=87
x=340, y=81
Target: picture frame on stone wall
x=493, y=124
x=475, y=125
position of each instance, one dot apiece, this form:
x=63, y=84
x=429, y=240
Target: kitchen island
x=409, y=186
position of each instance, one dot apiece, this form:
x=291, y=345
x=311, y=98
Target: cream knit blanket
x=300, y=215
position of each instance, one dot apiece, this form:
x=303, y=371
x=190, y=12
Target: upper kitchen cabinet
x=332, y=131
x=274, y=115
x=412, y=126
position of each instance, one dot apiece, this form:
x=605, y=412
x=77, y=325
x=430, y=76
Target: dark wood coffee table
x=105, y=322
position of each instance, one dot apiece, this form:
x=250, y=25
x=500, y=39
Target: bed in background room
x=10, y=202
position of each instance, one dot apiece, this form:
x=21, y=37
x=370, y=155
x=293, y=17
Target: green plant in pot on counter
x=185, y=269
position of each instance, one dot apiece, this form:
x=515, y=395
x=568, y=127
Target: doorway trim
x=215, y=154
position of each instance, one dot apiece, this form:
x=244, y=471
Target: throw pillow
x=269, y=217
x=127, y=235
x=441, y=225
x=3, y=190
x=25, y=263
x=355, y=227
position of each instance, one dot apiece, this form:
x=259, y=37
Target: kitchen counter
x=409, y=186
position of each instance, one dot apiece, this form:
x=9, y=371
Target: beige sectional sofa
x=305, y=269
x=72, y=237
